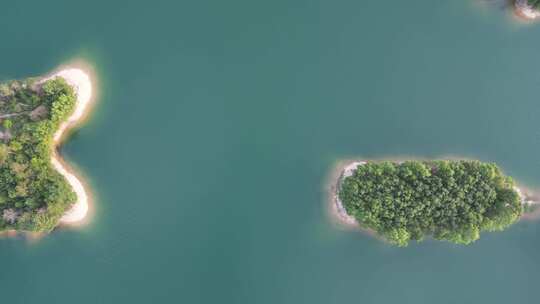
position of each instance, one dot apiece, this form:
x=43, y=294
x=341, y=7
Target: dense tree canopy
x=449, y=200
x=33, y=196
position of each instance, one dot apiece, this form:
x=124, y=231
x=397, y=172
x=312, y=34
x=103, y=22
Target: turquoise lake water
x=219, y=121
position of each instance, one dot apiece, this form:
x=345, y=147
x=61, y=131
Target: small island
x=38, y=191
x=528, y=9
x=452, y=200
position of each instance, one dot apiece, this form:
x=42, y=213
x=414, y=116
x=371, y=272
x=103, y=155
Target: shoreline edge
x=79, y=79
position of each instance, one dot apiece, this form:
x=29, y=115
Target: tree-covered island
x=33, y=195
x=453, y=200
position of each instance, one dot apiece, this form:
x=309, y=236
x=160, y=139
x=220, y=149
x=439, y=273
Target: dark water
x=219, y=121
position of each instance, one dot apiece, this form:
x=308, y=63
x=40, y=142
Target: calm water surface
x=219, y=121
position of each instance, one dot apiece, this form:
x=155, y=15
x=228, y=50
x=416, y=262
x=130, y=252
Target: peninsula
x=37, y=190
x=452, y=200
x=529, y=9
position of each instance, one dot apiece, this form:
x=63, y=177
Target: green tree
x=7, y=124
x=449, y=200
x=33, y=196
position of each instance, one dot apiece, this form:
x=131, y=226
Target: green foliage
x=3, y=154
x=534, y=3
x=29, y=186
x=448, y=200
x=7, y=124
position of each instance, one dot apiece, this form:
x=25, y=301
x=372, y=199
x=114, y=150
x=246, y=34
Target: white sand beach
x=82, y=85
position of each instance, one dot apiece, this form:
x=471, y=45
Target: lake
x=218, y=123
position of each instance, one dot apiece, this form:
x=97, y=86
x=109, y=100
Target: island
x=452, y=200
x=528, y=9
x=38, y=191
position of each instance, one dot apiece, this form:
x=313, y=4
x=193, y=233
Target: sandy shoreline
x=82, y=85
x=337, y=205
